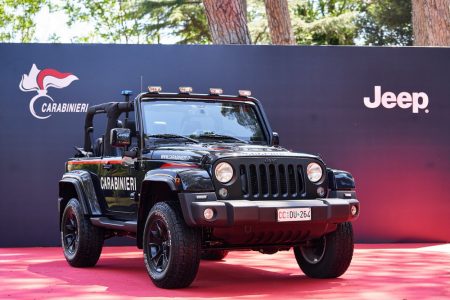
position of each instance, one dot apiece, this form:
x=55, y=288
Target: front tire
x=329, y=256
x=82, y=242
x=171, y=248
x=214, y=255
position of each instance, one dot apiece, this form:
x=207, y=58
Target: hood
x=197, y=152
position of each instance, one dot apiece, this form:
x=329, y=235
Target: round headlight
x=224, y=172
x=314, y=172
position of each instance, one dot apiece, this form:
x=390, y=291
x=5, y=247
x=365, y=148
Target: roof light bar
x=154, y=89
x=245, y=93
x=215, y=91
x=185, y=89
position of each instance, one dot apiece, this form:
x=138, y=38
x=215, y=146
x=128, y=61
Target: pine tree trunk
x=279, y=22
x=431, y=22
x=227, y=21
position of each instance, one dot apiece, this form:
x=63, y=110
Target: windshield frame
x=259, y=114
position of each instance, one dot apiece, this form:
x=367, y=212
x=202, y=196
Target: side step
x=130, y=226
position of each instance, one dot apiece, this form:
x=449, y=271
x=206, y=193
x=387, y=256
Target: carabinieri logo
x=39, y=81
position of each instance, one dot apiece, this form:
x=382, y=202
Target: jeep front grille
x=260, y=181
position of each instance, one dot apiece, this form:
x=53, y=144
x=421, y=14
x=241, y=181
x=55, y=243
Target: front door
x=118, y=179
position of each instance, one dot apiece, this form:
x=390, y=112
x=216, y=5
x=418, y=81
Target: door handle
x=133, y=196
x=107, y=166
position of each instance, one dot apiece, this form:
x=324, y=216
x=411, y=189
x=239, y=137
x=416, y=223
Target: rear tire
x=171, y=248
x=82, y=242
x=214, y=255
x=329, y=256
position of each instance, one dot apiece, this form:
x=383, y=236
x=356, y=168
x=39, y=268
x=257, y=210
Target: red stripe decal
x=178, y=165
x=95, y=162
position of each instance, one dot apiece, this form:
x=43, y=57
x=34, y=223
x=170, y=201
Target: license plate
x=293, y=214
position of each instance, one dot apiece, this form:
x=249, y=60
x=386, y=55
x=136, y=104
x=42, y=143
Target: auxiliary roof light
x=154, y=89
x=185, y=89
x=215, y=91
x=245, y=93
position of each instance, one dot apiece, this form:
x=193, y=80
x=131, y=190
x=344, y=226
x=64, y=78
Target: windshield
x=203, y=121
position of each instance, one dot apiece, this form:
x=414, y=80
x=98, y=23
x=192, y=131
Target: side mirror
x=120, y=137
x=275, y=139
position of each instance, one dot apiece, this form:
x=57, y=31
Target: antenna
x=141, y=83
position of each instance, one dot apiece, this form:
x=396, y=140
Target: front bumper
x=244, y=212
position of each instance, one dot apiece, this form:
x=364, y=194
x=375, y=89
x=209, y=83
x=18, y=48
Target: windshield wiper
x=213, y=135
x=173, y=136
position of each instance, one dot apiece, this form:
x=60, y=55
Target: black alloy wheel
x=70, y=232
x=328, y=256
x=82, y=242
x=158, y=245
x=314, y=250
x=171, y=248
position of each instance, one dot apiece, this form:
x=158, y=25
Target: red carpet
x=394, y=271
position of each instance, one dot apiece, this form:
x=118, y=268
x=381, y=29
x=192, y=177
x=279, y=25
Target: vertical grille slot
x=300, y=182
x=273, y=180
x=244, y=183
x=292, y=182
x=282, y=179
x=263, y=180
x=253, y=181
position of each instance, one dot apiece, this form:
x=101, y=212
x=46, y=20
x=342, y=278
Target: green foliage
x=386, y=22
x=17, y=22
x=185, y=20
x=320, y=22
x=133, y=21
x=315, y=22
x=112, y=21
x=257, y=22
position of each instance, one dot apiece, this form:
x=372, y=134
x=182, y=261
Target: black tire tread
x=91, y=239
x=214, y=255
x=185, y=249
x=338, y=254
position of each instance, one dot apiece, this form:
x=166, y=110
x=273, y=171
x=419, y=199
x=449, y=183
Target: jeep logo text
x=404, y=100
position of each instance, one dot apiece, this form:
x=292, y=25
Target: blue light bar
x=127, y=92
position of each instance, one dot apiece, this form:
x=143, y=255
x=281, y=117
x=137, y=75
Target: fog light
x=223, y=192
x=320, y=191
x=208, y=214
x=354, y=210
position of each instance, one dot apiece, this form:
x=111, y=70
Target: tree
x=257, y=22
x=431, y=22
x=386, y=22
x=185, y=20
x=326, y=22
x=17, y=19
x=279, y=22
x=134, y=21
x=227, y=21
x=189, y=24
x=113, y=21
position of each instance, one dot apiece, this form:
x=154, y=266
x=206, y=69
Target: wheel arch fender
x=158, y=185
x=162, y=185
x=83, y=185
x=340, y=180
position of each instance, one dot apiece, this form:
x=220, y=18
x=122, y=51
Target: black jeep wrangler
x=193, y=176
